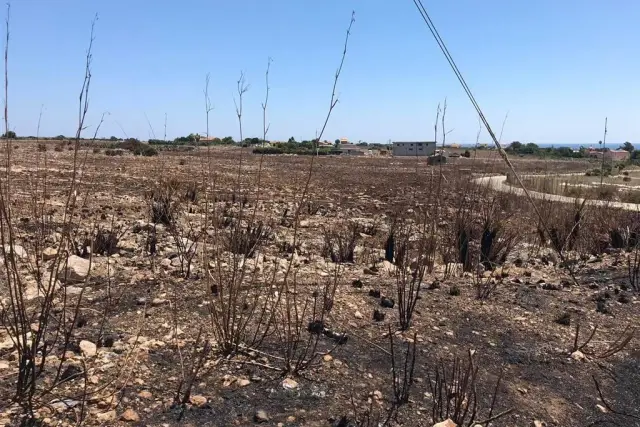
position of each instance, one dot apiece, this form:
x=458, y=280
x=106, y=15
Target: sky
x=554, y=69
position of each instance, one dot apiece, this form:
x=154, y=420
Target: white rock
x=358, y=315
x=63, y=404
x=130, y=416
x=198, y=400
x=49, y=253
x=289, y=384
x=158, y=301
x=446, y=423
x=75, y=270
x=578, y=355
x=388, y=267
x=73, y=290
x=6, y=344
x=88, y=348
x=107, y=416
x=18, y=250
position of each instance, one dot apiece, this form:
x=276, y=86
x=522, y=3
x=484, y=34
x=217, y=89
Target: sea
x=555, y=145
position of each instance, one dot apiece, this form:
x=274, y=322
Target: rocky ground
x=144, y=325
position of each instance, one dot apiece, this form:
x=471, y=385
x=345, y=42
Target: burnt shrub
x=246, y=240
x=340, y=243
x=105, y=242
x=163, y=202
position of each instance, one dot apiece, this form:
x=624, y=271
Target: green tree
x=627, y=146
x=113, y=138
x=530, y=148
x=292, y=140
x=252, y=141
x=563, y=152
x=515, y=146
x=336, y=143
x=10, y=134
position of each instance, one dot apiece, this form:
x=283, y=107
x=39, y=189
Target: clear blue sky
x=557, y=66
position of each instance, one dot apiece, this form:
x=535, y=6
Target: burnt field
x=216, y=287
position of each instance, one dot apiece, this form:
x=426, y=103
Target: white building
x=414, y=148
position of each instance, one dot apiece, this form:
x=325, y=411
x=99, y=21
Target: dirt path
x=499, y=182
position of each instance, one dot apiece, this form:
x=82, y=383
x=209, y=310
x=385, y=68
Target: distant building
x=415, y=148
x=352, y=150
x=613, y=155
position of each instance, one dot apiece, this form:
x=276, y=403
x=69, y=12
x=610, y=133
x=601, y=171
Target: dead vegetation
x=255, y=289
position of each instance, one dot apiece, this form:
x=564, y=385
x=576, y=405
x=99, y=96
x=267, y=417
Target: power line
x=503, y=154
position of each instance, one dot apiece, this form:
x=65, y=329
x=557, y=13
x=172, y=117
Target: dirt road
x=499, y=182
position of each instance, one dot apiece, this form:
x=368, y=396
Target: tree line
x=531, y=148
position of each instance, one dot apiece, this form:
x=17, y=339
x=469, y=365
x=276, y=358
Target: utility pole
x=604, y=144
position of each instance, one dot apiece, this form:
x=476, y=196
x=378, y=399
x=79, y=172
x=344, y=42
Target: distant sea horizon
x=554, y=144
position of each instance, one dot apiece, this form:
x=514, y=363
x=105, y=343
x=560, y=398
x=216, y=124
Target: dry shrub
x=454, y=393
x=297, y=337
x=412, y=249
x=485, y=286
x=190, y=193
x=625, y=230
x=164, y=202
x=563, y=225
x=105, y=242
x=402, y=373
x=43, y=330
x=608, y=227
x=340, y=242
x=606, y=192
x=242, y=301
x=484, y=229
x=456, y=240
x=246, y=240
x=400, y=238
x=498, y=234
